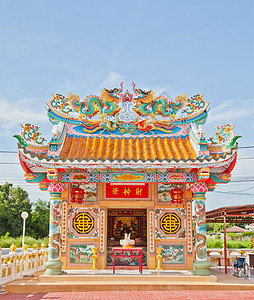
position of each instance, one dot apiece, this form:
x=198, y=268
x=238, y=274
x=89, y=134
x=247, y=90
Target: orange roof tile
x=127, y=148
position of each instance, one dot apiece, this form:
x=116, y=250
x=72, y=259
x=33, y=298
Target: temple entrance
x=121, y=221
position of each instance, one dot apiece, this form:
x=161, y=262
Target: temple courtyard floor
x=126, y=284
x=137, y=295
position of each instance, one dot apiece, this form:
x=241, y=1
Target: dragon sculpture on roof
x=127, y=113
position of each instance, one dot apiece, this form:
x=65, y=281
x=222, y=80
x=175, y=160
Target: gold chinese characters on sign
x=118, y=191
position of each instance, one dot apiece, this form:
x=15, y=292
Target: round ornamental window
x=170, y=223
x=83, y=223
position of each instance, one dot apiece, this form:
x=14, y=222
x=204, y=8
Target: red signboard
x=118, y=191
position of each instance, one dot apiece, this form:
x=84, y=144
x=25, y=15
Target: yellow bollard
x=35, y=246
x=13, y=248
x=43, y=246
x=94, y=256
x=159, y=258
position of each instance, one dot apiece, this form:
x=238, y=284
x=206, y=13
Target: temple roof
x=92, y=151
x=128, y=130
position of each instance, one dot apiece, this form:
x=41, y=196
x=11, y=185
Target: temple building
x=127, y=162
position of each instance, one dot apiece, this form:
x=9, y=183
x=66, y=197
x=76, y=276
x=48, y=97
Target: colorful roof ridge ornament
x=224, y=135
x=118, y=112
x=91, y=106
x=31, y=134
x=194, y=103
x=61, y=103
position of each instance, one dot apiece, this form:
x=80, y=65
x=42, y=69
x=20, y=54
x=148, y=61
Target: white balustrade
x=216, y=256
x=33, y=262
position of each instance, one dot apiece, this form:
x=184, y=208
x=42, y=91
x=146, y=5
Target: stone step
x=116, y=279
x=79, y=286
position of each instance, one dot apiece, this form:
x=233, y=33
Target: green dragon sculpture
x=162, y=106
x=89, y=107
x=111, y=98
x=143, y=100
x=146, y=104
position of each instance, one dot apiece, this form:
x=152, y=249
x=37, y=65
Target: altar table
x=125, y=253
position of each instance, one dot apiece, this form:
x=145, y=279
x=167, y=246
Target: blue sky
x=169, y=46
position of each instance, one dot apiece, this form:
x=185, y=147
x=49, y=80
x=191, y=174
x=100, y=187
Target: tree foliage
x=40, y=219
x=13, y=201
x=218, y=227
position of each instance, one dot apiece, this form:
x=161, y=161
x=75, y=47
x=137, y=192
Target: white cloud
x=167, y=90
x=67, y=86
x=232, y=110
x=20, y=112
x=112, y=80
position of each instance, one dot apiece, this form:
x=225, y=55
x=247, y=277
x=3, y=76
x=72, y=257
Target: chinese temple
x=127, y=162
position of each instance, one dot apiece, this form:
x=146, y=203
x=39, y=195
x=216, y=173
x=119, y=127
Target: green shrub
x=231, y=244
x=214, y=243
x=237, y=244
x=6, y=241
x=248, y=233
x=237, y=235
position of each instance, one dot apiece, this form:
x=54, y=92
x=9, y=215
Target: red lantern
x=176, y=196
x=77, y=195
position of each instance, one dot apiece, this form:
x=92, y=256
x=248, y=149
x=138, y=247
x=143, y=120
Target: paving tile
x=137, y=295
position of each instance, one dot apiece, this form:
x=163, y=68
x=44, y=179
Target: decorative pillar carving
x=151, y=230
x=54, y=265
x=189, y=223
x=64, y=220
x=64, y=225
x=101, y=230
x=201, y=264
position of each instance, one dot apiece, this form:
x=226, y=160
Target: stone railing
x=216, y=256
x=33, y=261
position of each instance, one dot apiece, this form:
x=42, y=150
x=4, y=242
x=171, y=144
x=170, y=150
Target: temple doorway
x=121, y=221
